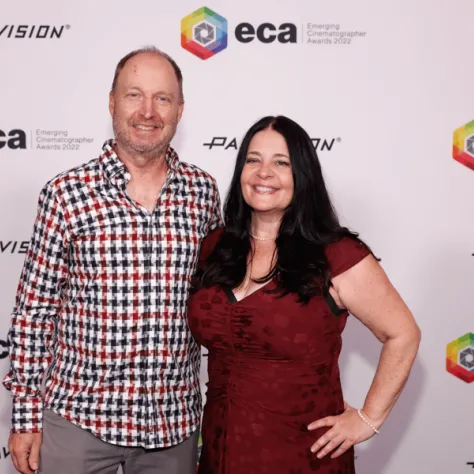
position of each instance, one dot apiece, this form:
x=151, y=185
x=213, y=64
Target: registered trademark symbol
x=339, y=139
x=68, y=27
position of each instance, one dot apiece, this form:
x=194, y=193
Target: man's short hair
x=149, y=49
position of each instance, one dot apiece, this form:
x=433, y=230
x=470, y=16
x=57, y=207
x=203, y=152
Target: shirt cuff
x=27, y=415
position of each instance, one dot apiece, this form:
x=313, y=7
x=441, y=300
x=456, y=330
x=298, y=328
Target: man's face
x=146, y=105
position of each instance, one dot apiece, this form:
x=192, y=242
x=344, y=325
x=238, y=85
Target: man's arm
x=216, y=213
x=38, y=301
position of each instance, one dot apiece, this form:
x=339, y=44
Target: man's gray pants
x=68, y=449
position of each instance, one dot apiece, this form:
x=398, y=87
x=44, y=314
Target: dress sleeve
x=208, y=244
x=344, y=254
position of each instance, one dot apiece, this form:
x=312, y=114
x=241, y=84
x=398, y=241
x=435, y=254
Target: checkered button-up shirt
x=102, y=302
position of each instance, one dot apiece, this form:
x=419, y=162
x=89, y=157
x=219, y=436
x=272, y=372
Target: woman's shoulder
x=345, y=253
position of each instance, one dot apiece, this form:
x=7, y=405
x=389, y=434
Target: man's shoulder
x=196, y=174
x=82, y=174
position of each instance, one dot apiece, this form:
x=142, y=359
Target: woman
x=271, y=299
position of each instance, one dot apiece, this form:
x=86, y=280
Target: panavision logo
x=33, y=31
x=4, y=453
x=3, y=349
x=13, y=246
x=319, y=144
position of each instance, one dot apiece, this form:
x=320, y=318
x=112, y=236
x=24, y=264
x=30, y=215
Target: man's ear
x=180, y=110
x=111, y=103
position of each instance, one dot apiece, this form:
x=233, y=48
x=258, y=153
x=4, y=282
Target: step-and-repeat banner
x=384, y=88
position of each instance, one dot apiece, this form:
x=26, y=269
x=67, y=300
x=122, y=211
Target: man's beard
x=151, y=149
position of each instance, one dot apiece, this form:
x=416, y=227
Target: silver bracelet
x=363, y=418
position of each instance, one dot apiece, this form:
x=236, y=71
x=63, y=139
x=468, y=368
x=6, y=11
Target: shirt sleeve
x=38, y=301
x=216, y=214
x=344, y=254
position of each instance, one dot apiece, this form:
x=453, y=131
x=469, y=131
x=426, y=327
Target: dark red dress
x=273, y=369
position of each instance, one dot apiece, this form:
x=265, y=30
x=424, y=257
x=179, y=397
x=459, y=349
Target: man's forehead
x=147, y=60
x=139, y=64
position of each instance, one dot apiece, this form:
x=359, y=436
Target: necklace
x=262, y=238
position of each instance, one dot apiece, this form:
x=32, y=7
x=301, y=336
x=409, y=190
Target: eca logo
x=266, y=33
x=460, y=357
x=204, y=33
x=463, y=145
x=13, y=139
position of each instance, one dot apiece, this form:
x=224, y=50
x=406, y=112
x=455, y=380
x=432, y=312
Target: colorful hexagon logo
x=460, y=357
x=204, y=33
x=463, y=145
x=199, y=450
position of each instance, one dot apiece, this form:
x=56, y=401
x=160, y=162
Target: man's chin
x=142, y=146
x=148, y=148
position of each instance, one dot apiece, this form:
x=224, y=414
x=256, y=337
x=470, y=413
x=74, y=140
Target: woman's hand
x=346, y=430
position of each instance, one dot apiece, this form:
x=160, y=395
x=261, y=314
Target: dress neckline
x=233, y=299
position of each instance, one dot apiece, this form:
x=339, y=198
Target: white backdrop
x=390, y=99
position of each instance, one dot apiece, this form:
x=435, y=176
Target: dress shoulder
x=344, y=254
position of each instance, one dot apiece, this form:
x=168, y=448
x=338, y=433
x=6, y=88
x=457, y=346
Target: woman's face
x=266, y=179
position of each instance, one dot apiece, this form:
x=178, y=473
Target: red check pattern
x=102, y=301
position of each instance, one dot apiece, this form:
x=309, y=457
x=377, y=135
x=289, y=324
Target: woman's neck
x=264, y=225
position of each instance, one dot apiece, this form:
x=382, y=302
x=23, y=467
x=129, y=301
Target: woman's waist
x=269, y=371
x=303, y=403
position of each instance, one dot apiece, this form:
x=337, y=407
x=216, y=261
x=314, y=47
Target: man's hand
x=25, y=451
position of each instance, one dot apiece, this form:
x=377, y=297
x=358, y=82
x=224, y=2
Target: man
x=103, y=293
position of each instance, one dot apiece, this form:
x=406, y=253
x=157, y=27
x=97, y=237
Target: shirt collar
x=116, y=171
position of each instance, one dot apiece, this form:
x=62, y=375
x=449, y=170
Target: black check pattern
x=102, y=303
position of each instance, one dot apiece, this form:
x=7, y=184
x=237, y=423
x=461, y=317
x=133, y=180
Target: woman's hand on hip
x=345, y=431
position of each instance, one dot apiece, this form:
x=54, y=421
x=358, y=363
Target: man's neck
x=148, y=175
x=142, y=167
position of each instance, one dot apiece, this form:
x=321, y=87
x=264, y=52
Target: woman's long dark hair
x=309, y=223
